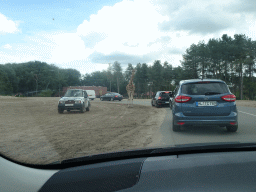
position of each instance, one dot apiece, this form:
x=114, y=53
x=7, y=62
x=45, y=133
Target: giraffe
x=130, y=89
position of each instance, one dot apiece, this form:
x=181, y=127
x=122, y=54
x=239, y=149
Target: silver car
x=74, y=99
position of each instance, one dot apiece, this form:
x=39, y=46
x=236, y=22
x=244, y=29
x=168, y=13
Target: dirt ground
x=246, y=103
x=33, y=132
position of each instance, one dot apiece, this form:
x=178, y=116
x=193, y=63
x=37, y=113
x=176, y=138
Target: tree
x=118, y=76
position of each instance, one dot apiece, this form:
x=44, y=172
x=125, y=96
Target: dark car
x=111, y=97
x=161, y=99
x=204, y=102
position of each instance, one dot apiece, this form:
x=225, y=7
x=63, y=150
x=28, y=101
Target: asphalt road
x=205, y=134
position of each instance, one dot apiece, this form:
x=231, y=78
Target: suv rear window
x=199, y=88
x=165, y=95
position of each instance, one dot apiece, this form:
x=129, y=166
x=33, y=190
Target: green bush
x=45, y=93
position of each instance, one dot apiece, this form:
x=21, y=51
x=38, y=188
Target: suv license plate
x=206, y=103
x=69, y=104
x=166, y=101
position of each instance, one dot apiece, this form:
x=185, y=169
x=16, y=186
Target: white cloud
x=7, y=26
x=7, y=46
x=127, y=27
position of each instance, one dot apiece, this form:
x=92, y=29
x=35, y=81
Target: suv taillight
x=159, y=98
x=182, y=99
x=229, y=98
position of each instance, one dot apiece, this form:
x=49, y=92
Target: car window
x=204, y=88
x=165, y=95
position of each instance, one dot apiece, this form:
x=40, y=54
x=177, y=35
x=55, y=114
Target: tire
x=88, y=109
x=111, y=99
x=60, y=111
x=171, y=106
x=232, y=128
x=157, y=106
x=83, y=109
x=175, y=128
x=120, y=99
x=152, y=104
x=101, y=99
x=68, y=110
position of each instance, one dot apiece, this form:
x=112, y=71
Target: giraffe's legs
x=132, y=98
x=128, y=101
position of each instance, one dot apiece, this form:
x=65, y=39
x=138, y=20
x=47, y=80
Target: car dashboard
x=203, y=171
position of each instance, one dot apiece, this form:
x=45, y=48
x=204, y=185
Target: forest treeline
x=231, y=59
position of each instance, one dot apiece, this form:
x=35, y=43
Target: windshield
x=73, y=93
x=118, y=55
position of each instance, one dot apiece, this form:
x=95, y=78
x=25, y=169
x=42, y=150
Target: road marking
x=247, y=113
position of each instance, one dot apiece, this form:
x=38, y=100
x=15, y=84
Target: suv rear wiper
x=212, y=93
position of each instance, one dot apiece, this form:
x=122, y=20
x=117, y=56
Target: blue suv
x=204, y=102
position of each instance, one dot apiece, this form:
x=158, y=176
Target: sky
x=88, y=35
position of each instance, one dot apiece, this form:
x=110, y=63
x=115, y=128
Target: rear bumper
x=205, y=120
x=163, y=102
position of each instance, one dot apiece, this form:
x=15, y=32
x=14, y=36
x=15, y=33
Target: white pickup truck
x=74, y=99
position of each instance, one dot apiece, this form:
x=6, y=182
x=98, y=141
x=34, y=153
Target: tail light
x=159, y=98
x=181, y=123
x=229, y=98
x=182, y=99
x=116, y=96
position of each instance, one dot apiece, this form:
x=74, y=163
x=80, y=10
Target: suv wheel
x=170, y=105
x=152, y=103
x=232, y=128
x=60, y=111
x=157, y=105
x=112, y=99
x=83, y=109
x=88, y=109
x=101, y=99
x=175, y=128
